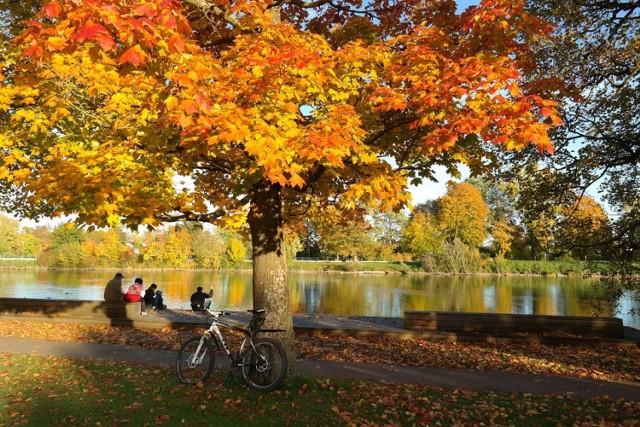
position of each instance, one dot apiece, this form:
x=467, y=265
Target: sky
x=433, y=190
x=463, y=4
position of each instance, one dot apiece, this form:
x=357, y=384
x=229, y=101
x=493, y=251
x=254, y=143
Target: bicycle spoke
x=265, y=365
x=195, y=361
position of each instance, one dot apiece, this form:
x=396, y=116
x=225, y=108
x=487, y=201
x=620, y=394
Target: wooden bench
x=112, y=310
x=495, y=323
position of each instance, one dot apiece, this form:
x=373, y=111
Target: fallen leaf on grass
x=603, y=363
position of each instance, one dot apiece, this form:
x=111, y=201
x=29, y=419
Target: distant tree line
x=475, y=226
x=179, y=246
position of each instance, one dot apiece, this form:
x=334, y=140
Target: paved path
x=465, y=379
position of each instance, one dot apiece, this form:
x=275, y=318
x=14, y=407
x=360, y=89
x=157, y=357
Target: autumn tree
x=67, y=234
x=42, y=237
x=347, y=240
x=386, y=230
x=208, y=248
x=582, y=226
x=264, y=111
x=106, y=248
x=462, y=215
x=421, y=236
x=504, y=220
x=595, y=52
x=499, y=198
x=171, y=247
x=235, y=252
x=502, y=233
x=66, y=246
x=292, y=241
x=9, y=230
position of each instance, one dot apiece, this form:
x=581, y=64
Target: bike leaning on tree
x=261, y=361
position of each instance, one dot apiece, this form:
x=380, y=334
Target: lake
x=334, y=293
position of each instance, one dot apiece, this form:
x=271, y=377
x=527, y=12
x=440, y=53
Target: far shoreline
x=507, y=268
x=577, y=275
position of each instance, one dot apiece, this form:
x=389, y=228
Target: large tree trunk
x=270, y=284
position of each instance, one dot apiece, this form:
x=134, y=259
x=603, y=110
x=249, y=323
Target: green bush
x=456, y=257
x=545, y=268
x=381, y=266
x=18, y=263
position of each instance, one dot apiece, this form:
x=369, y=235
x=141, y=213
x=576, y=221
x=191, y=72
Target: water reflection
x=341, y=294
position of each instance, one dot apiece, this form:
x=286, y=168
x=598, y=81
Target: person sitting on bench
x=201, y=301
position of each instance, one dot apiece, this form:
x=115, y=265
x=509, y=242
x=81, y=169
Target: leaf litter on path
x=614, y=363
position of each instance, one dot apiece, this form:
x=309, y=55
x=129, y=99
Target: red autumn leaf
x=169, y=21
x=545, y=111
x=33, y=51
x=145, y=9
x=89, y=31
x=132, y=56
x=105, y=41
x=36, y=24
x=51, y=10
x=162, y=419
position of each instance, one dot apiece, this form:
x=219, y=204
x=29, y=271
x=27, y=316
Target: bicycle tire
x=187, y=370
x=264, y=365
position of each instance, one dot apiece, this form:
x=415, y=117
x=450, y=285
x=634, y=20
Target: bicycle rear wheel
x=264, y=365
x=195, y=361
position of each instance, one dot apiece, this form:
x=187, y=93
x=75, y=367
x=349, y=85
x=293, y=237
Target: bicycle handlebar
x=226, y=313
x=257, y=312
x=218, y=313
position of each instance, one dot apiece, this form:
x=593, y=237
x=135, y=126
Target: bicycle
x=262, y=361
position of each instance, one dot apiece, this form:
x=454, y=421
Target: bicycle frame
x=214, y=330
x=263, y=362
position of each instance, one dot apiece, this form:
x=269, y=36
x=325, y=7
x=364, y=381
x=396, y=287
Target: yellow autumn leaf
x=296, y=181
x=113, y=219
x=257, y=71
x=56, y=43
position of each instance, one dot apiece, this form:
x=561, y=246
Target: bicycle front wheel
x=195, y=361
x=264, y=365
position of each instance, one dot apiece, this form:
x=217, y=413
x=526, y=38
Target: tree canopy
x=144, y=111
x=119, y=98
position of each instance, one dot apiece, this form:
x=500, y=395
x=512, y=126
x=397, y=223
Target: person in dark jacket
x=201, y=301
x=149, y=295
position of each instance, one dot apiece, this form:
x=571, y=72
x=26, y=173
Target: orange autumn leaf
x=55, y=43
x=133, y=55
x=177, y=43
x=89, y=31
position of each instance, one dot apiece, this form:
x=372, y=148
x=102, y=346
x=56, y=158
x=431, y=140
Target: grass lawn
x=41, y=391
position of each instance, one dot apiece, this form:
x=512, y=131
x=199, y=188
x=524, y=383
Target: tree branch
x=179, y=215
x=300, y=3
x=208, y=7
